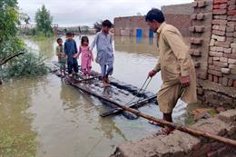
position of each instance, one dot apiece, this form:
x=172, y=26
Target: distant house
x=177, y=15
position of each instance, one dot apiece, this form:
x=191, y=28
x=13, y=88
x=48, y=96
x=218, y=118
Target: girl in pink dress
x=86, y=56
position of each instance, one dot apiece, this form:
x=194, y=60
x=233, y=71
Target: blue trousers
x=106, y=69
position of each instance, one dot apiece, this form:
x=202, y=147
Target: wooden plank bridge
x=118, y=93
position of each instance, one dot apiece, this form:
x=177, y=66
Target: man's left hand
x=185, y=81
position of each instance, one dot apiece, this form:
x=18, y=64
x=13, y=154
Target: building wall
x=126, y=26
x=213, y=48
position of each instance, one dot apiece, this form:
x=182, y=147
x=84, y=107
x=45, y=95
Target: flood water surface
x=56, y=120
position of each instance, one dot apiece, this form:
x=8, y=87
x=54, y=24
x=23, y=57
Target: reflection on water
x=136, y=45
x=65, y=121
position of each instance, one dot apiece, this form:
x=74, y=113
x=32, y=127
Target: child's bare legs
x=104, y=77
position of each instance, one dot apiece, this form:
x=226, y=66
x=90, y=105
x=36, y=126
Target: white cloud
x=87, y=12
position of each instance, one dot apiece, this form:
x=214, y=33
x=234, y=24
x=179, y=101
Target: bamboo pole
x=191, y=131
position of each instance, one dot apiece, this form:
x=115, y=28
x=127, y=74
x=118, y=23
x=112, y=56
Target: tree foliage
x=97, y=26
x=43, y=21
x=12, y=48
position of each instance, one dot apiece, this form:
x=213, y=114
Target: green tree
x=98, y=26
x=12, y=48
x=44, y=21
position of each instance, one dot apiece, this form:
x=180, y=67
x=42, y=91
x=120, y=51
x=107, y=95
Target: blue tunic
x=70, y=49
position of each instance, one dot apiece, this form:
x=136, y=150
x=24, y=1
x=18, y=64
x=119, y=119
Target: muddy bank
x=181, y=144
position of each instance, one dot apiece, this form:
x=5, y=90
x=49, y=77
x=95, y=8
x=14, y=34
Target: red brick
x=219, y=22
x=229, y=34
x=216, y=68
x=220, y=64
x=231, y=24
x=217, y=6
x=232, y=61
x=222, y=44
x=216, y=79
x=219, y=1
x=225, y=81
x=210, y=77
x=232, y=56
x=199, y=29
x=224, y=59
x=221, y=17
x=220, y=80
x=196, y=41
x=232, y=7
x=225, y=70
x=227, y=50
x=230, y=29
x=210, y=60
x=230, y=39
x=214, y=72
x=191, y=29
x=230, y=82
x=216, y=32
x=232, y=12
x=233, y=45
x=234, y=85
x=219, y=11
x=223, y=6
x=217, y=37
x=231, y=18
x=200, y=16
x=216, y=54
x=216, y=58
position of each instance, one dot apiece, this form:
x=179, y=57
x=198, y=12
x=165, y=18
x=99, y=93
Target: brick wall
x=213, y=48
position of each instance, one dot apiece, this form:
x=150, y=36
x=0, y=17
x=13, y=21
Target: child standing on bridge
x=70, y=50
x=105, y=56
x=86, y=57
x=61, y=56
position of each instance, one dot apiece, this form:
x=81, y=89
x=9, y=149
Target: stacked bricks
x=213, y=48
x=201, y=33
x=222, y=55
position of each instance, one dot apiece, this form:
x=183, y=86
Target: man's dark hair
x=155, y=14
x=59, y=39
x=69, y=34
x=107, y=23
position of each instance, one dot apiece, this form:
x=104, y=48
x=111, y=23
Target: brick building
x=177, y=15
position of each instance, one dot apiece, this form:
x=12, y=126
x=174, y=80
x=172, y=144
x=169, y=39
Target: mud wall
x=213, y=48
x=179, y=144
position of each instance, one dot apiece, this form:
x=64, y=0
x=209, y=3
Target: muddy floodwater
x=44, y=117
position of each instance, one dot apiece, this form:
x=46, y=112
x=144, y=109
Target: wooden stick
x=5, y=60
x=191, y=131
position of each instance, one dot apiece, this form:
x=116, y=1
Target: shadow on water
x=60, y=121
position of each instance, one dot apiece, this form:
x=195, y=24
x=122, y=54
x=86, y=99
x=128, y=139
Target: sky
x=87, y=12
